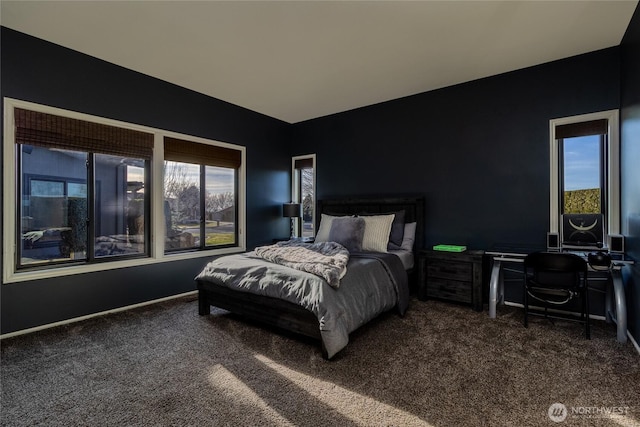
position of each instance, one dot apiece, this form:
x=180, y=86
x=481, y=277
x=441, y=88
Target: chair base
x=544, y=313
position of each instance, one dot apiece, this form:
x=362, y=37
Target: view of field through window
x=582, y=174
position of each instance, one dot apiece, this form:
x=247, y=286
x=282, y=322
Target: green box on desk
x=450, y=248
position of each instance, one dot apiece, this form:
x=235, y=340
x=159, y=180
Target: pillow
x=376, y=232
x=325, y=228
x=409, y=236
x=347, y=231
x=397, y=228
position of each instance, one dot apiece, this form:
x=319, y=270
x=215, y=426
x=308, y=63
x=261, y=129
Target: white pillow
x=324, y=229
x=376, y=232
x=409, y=236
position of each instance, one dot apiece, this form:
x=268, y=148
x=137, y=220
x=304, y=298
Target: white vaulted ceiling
x=297, y=60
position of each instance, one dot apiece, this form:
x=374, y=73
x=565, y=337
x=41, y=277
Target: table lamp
x=292, y=210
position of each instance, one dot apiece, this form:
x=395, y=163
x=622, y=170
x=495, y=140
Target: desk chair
x=554, y=279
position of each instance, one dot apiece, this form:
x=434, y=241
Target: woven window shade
x=592, y=127
x=303, y=163
x=178, y=150
x=48, y=130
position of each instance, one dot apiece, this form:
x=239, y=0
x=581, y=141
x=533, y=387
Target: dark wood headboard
x=412, y=205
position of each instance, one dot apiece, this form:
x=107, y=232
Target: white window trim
x=157, y=255
x=613, y=168
x=295, y=188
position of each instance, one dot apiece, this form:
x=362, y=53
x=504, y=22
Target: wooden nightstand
x=451, y=276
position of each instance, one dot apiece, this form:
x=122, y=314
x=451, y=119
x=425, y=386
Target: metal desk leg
x=620, y=303
x=608, y=304
x=494, y=285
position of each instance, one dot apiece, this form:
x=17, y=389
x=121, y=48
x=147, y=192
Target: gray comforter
x=327, y=259
x=374, y=283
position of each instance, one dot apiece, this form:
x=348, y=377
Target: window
x=83, y=193
x=303, y=191
x=200, y=195
x=583, y=179
x=584, y=154
x=74, y=198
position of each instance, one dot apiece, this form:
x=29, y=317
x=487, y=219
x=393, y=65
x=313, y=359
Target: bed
x=308, y=303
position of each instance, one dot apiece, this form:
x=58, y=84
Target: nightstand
x=451, y=276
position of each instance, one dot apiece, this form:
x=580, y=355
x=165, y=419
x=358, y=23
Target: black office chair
x=554, y=279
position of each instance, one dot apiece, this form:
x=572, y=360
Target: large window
x=585, y=168
x=75, y=203
x=303, y=191
x=199, y=195
x=83, y=193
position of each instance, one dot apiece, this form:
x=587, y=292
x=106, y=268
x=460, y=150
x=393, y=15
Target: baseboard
x=592, y=316
x=92, y=315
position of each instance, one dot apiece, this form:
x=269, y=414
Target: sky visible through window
x=582, y=163
x=219, y=180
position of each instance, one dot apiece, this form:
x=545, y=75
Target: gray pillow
x=397, y=228
x=347, y=231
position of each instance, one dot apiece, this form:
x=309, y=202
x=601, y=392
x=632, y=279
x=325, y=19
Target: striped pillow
x=376, y=232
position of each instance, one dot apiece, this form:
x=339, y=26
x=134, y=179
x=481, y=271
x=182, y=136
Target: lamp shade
x=292, y=210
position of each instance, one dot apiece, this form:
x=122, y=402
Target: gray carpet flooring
x=440, y=365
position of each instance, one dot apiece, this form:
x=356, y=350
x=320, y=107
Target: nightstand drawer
x=451, y=276
x=462, y=271
x=452, y=290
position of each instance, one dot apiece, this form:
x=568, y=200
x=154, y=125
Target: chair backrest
x=563, y=270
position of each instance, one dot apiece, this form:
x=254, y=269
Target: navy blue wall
x=479, y=151
x=38, y=71
x=630, y=154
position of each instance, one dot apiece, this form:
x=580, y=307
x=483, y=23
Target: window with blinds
x=82, y=190
x=84, y=193
x=200, y=195
x=585, y=171
x=582, y=166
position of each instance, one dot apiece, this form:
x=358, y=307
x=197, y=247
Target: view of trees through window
x=85, y=193
x=307, y=197
x=191, y=212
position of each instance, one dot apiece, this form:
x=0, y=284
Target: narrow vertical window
x=304, y=192
x=585, y=178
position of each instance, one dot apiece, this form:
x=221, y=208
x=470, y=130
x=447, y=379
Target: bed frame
x=291, y=317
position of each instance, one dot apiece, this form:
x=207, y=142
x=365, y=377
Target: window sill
x=24, y=276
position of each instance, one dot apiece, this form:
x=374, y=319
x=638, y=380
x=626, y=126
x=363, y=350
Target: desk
x=615, y=304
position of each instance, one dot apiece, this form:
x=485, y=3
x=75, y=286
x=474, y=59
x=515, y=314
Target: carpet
x=439, y=365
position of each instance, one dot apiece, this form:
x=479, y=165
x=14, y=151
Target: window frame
x=611, y=173
x=202, y=173
x=296, y=189
x=10, y=274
